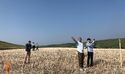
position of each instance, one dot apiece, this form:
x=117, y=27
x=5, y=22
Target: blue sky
x=55, y=21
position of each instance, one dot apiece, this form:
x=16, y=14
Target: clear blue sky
x=55, y=21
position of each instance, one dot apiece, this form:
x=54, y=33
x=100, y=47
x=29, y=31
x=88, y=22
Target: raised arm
x=89, y=44
x=74, y=40
x=93, y=41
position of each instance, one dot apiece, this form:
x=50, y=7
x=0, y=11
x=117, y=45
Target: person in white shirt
x=79, y=44
x=90, y=46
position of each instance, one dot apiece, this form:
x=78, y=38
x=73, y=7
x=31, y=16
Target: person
x=90, y=45
x=28, y=52
x=37, y=46
x=80, y=51
x=33, y=46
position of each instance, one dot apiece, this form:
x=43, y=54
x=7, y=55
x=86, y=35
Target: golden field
x=62, y=61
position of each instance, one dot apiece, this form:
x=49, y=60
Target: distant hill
x=60, y=45
x=6, y=45
x=108, y=43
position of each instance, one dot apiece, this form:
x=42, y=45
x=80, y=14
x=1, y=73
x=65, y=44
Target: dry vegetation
x=63, y=61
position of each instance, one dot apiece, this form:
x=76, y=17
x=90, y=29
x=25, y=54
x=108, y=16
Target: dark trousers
x=81, y=59
x=90, y=59
x=33, y=48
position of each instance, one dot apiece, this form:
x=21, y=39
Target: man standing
x=28, y=52
x=37, y=46
x=80, y=51
x=33, y=46
x=90, y=45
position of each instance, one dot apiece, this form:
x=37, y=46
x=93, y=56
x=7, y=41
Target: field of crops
x=62, y=61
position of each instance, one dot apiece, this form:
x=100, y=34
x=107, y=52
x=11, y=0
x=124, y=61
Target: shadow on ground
x=100, y=61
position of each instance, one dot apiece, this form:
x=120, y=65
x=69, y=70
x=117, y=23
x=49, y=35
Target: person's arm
x=93, y=41
x=74, y=40
x=88, y=44
x=25, y=47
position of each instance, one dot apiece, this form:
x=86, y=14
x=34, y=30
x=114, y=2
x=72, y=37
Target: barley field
x=62, y=61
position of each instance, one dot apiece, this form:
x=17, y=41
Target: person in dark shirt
x=33, y=46
x=37, y=46
x=28, y=52
x=90, y=46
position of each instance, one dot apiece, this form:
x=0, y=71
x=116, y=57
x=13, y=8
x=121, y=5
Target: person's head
x=88, y=40
x=33, y=42
x=80, y=39
x=29, y=42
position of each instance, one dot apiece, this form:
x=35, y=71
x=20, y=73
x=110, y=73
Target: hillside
x=6, y=45
x=60, y=45
x=109, y=43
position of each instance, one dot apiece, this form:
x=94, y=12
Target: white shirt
x=89, y=46
x=80, y=47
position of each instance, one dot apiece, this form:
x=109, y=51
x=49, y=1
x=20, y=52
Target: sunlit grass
x=63, y=61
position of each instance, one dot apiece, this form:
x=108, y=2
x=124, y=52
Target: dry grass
x=63, y=61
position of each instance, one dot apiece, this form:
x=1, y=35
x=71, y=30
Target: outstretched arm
x=93, y=41
x=88, y=44
x=74, y=40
